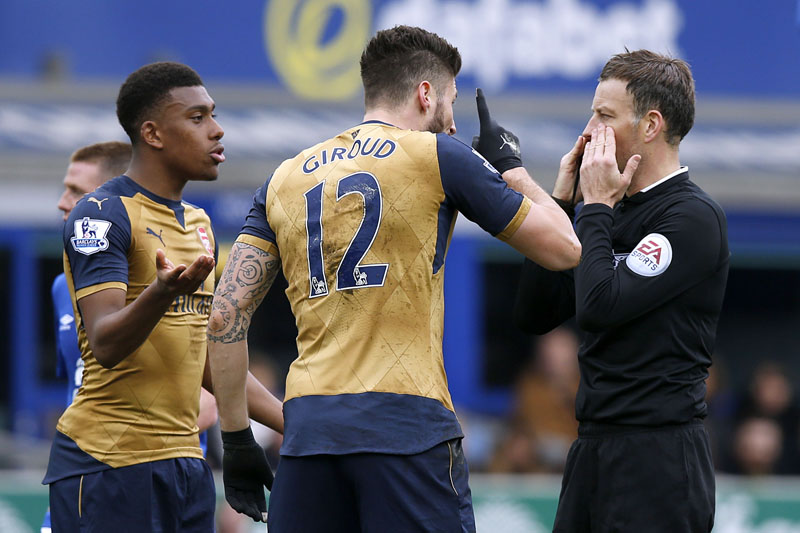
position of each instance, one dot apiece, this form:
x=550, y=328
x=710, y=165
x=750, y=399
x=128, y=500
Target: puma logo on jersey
x=98, y=202
x=156, y=235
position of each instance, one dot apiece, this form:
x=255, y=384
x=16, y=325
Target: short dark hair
x=657, y=82
x=396, y=60
x=113, y=156
x=146, y=88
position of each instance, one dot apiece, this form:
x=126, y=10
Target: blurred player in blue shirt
x=89, y=167
x=360, y=225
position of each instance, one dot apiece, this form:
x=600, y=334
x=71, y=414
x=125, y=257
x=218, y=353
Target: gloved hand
x=499, y=146
x=245, y=473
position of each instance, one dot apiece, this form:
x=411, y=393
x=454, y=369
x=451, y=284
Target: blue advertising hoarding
x=311, y=47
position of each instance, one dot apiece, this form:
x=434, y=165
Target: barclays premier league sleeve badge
x=651, y=256
x=90, y=236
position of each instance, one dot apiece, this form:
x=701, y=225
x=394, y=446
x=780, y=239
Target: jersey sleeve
x=685, y=245
x=97, y=237
x=256, y=230
x=477, y=190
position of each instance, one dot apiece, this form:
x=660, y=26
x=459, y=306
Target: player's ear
x=424, y=96
x=150, y=134
x=651, y=125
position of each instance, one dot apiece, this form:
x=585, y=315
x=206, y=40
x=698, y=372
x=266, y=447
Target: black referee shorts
x=637, y=479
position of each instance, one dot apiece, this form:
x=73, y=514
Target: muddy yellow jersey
x=361, y=223
x=145, y=408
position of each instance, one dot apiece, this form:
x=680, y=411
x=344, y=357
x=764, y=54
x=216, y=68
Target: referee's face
x=613, y=106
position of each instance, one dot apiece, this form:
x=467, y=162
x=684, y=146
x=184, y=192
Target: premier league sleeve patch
x=89, y=236
x=651, y=256
x=485, y=162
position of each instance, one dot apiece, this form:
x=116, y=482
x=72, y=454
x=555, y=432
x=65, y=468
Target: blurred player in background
x=89, y=167
x=127, y=453
x=360, y=224
x=647, y=296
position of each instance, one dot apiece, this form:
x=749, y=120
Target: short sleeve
x=97, y=236
x=477, y=190
x=256, y=229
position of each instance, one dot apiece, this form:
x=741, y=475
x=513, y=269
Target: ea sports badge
x=651, y=256
x=205, y=240
x=89, y=235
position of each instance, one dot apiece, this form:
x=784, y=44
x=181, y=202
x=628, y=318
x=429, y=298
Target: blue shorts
x=164, y=496
x=373, y=493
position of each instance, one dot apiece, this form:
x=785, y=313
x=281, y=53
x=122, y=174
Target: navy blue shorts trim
x=385, y=422
x=373, y=493
x=174, y=495
x=634, y=479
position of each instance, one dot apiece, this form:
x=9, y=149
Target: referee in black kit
x=647, y=297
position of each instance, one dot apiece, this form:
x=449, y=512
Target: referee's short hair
x=658, y=82
x=396, y=60
x=146, y=88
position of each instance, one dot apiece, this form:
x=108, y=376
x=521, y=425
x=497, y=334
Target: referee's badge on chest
x=651, y=256
x=205, y=240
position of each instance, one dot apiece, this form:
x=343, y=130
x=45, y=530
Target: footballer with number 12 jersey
x=362, y=223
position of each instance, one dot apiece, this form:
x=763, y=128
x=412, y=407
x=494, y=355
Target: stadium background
x=284, y=75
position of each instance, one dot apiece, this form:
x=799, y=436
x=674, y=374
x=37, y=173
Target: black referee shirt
x=647, y=297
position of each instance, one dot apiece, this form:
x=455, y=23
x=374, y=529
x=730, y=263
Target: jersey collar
x=377, y=122
x=679, y=176
x=175, y=205
x=665, y=178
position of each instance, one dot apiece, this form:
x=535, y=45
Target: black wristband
x=243, y=437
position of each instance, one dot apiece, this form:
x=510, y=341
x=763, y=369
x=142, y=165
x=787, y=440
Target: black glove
x=499, y=146
x=245, y=473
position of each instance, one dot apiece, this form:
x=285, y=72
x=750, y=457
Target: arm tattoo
x=247, y=278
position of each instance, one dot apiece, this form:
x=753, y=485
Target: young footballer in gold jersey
x=126, y=456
